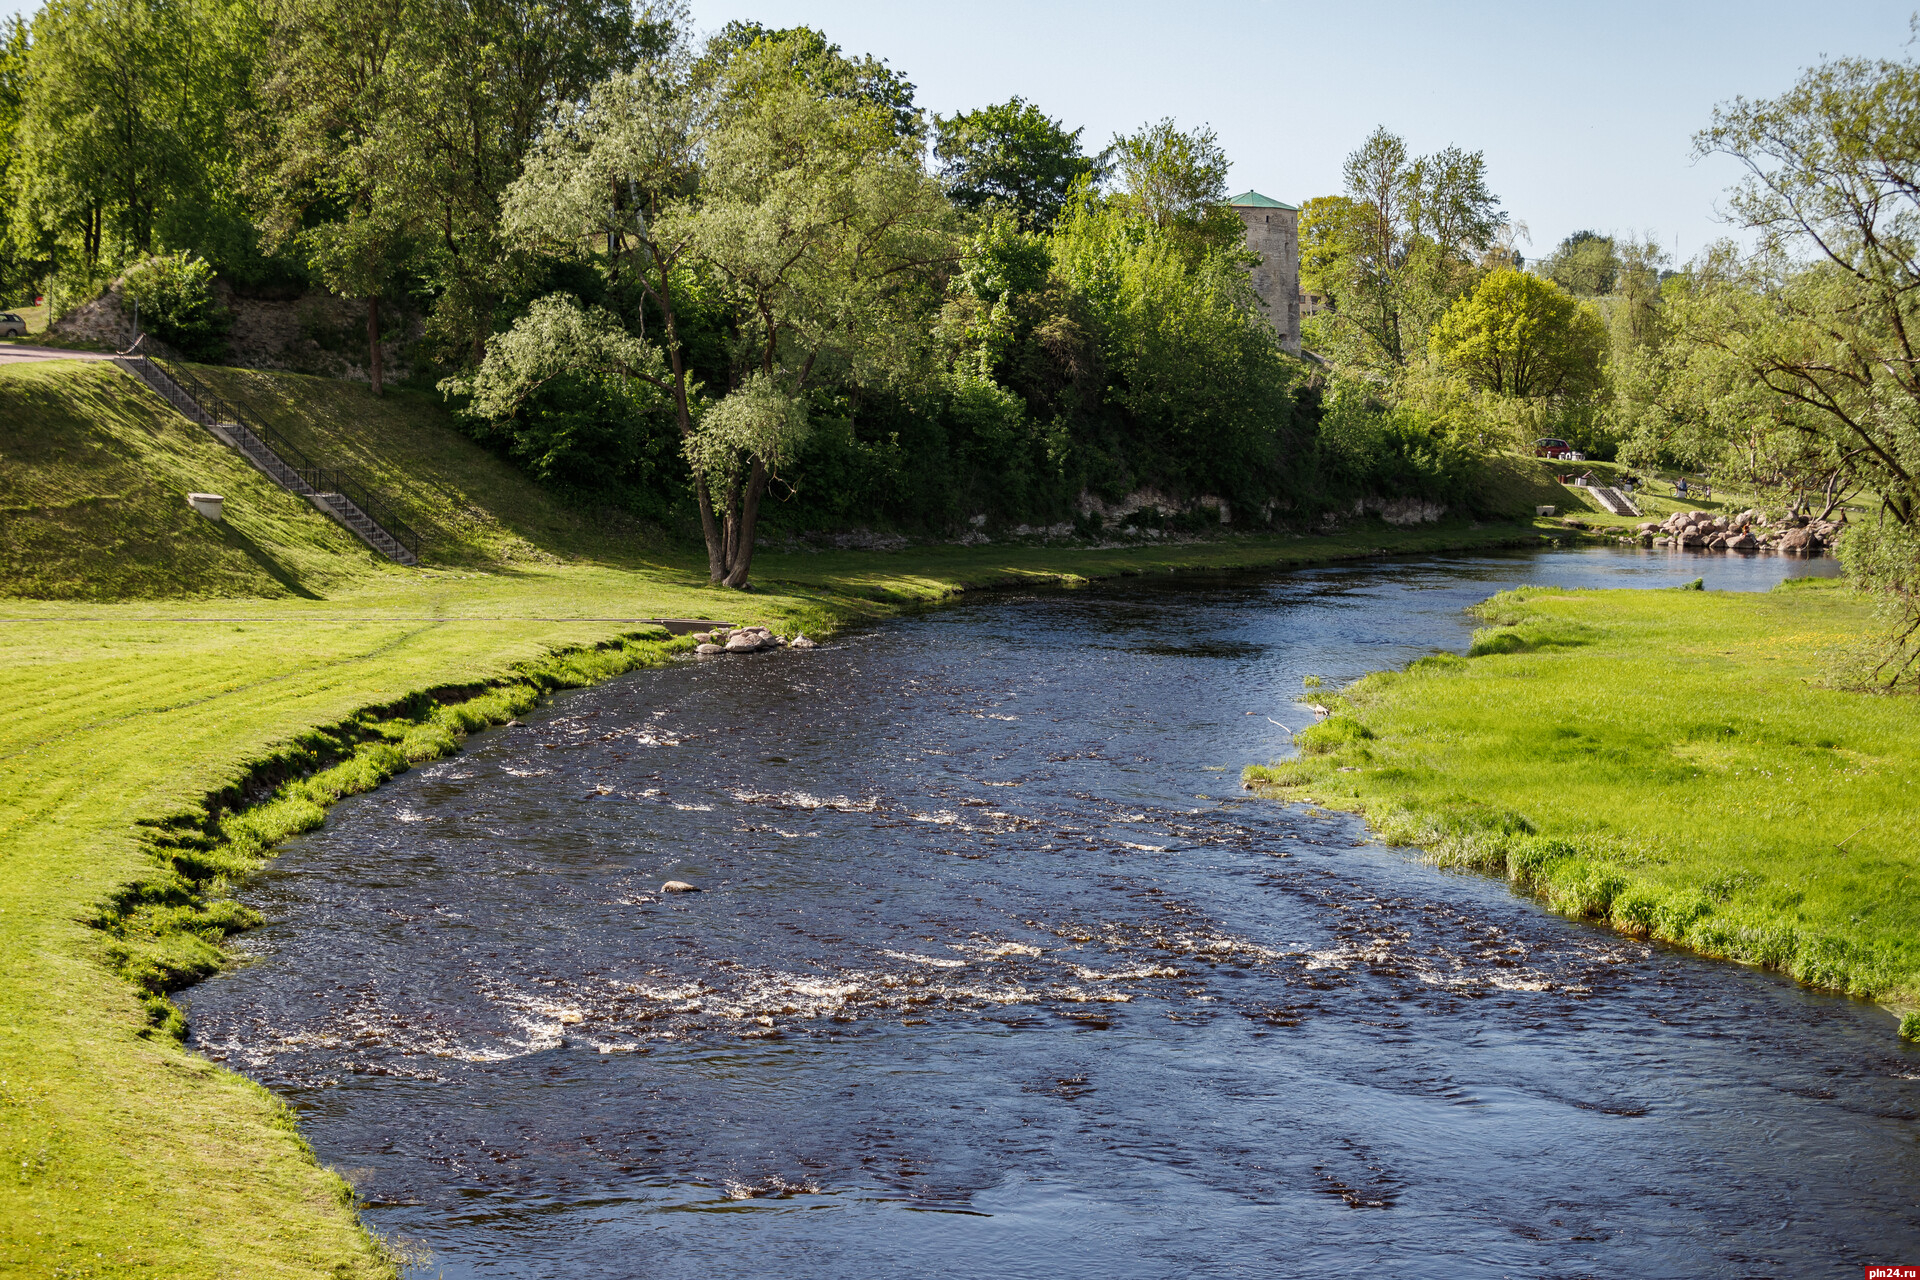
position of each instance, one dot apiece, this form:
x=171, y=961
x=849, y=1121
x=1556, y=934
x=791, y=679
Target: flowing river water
x=997, y=972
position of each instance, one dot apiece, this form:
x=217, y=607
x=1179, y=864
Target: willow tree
x=828, y=235
x=808, y=210
x=1833, y=187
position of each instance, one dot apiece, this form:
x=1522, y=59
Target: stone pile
x=1743, y=531
x=745, y=640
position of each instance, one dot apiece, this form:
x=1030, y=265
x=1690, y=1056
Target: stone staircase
x=311, y=483
x=1615, y=501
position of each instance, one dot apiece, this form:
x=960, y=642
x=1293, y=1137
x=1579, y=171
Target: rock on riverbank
x=745, y=640
x=1744, y=531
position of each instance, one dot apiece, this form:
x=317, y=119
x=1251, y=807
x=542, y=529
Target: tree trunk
x=373, y=343
x=741, y=562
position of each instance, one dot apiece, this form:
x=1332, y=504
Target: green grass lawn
x=155, y=662
x=1676, y=763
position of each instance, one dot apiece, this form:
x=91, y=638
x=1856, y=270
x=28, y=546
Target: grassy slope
x=94, y=473
x=121, y=1153
x=1673, y=762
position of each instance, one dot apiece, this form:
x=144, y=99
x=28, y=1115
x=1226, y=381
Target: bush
x=176, y=304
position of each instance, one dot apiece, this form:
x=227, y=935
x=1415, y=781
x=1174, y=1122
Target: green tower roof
x=1258, y=201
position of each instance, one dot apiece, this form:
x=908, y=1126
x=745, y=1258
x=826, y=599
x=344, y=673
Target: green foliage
x=1584, y=264
x=805, y=57
x=1205, y=398
x=177, y=303
x=1366, y=446
x=753, y=432
x=124, y=130
x=1010, y=156
x=1396, y=250
x=1176, y=180
x=568, y=393
x=1518, y=335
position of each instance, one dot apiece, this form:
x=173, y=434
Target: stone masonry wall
x=1274, y=234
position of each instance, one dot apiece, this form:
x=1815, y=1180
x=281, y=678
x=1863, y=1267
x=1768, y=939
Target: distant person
x=1680, y=487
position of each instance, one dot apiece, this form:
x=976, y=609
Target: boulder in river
x=710, y=648
x=679, y=886
x=800, y=642
x=743, y=642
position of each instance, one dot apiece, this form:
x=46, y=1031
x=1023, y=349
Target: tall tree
x=21, y=241
x=1585, y=263
x=1519, y=335
x=124, y=118
x=480, y=79
x=1177, y=180
x=808, y=58
x=1833, y=170
x=323, y=164
x=816, y=214
x=612, y=170
x=809, y=210
x=1407, y=243
x=1011, y=156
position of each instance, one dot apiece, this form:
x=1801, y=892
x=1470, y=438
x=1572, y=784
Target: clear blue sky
x=1586, y=112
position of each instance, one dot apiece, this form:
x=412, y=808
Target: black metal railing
x=322, y=480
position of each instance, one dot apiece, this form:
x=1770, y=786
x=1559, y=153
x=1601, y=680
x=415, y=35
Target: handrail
x=320, y=479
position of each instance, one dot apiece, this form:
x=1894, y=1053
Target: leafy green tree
x=1585, y=263
x=478, y=81
x=123, y=123
x=1012, y=156
x=1406, y=244
x=1200, y=396
x=1833, y=171
x=810, y=214
x=1833, y=181
x=808, y=58
x=1177, y=180
x=1518, y=335
x=1334, y=232
x=818, y=218
x=22, y=247
x=578, y=389
x=614, y=170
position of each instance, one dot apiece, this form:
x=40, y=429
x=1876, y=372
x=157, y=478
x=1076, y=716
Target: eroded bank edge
x=164, y=930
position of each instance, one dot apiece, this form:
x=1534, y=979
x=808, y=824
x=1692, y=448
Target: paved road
x=19, y=352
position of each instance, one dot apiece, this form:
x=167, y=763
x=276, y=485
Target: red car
x=1551, y=448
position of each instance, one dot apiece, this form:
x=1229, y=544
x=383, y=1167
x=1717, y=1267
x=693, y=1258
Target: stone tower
x=1273, y=232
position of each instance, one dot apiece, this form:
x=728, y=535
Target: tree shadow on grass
x=268, y=565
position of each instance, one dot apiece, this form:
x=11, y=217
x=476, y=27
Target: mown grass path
x=120, y=1152
x=1679, y=764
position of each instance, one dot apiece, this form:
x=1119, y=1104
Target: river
x=996, y=971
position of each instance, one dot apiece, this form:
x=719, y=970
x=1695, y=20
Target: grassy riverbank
x=1677, y=764
x=163, y=671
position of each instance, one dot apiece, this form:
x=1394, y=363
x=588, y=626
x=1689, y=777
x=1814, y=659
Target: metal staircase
x=331, y=490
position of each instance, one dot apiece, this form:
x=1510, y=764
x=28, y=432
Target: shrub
x=175, y=295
